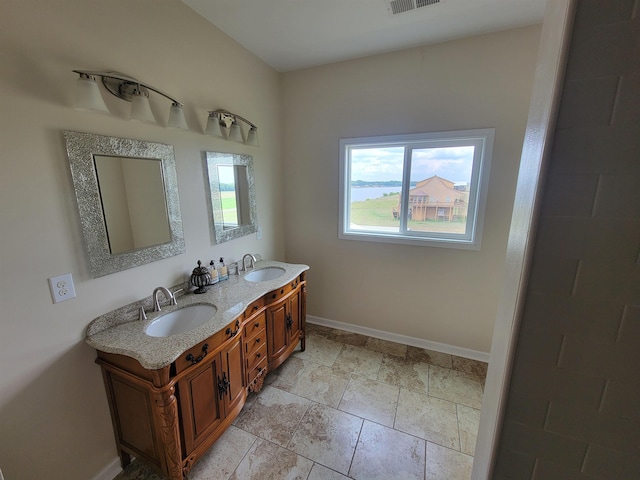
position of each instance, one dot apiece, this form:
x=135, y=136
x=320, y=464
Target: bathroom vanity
x=171, y=397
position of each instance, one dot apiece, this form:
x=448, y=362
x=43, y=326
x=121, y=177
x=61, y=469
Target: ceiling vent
x=400, y=6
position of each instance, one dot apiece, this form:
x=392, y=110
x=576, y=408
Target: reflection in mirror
x=232, y=194
x=226, y=174
x=127, y=193
x=133, y=202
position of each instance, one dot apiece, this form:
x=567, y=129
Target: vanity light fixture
x=224, y=124
x=88, y=96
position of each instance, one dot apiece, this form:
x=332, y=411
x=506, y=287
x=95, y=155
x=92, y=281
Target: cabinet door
x=201, y=404
x=293, y=319
x=278, y=331
x=233, y=374
x=131, y=409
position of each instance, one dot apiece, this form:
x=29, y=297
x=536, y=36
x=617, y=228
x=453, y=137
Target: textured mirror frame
x=222, y=234
x=81, y=147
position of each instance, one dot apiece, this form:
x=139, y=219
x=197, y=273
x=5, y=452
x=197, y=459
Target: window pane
x=440, y=187
x=416, y=189
x=374, y=188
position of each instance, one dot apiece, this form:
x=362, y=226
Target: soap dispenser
x=213, y=272
x=223, y=273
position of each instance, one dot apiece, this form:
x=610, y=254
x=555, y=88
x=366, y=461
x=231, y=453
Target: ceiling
x=293, y=34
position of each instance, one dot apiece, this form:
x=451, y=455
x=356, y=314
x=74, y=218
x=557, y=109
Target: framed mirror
x=127, y=195
x=232, y=195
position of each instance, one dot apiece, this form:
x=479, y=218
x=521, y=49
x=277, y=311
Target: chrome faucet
x=243, y=267
x=168, y=295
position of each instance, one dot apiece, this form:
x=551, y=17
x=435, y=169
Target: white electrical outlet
x=62, y=288
x=259, y=233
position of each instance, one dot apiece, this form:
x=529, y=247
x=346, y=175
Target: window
x=422, y=189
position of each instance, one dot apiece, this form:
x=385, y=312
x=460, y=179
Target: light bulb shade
x=176, y=117
x=88, y=96
x=252, y=137
x=235, y=133
x=141, y=109
x=213, y=126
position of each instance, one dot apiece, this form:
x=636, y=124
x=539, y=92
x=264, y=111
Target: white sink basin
x=181, y=320
x=264, y=274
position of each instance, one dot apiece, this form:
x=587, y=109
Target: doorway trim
x=545, y=98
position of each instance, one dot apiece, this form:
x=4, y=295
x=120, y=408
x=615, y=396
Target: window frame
x=481, y=139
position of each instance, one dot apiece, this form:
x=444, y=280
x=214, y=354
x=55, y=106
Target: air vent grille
x=425, y=3
x=400, y=6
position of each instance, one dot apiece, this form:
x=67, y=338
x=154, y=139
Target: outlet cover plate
x=62, y=288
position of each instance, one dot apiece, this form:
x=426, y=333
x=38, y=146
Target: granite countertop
x=110, y=333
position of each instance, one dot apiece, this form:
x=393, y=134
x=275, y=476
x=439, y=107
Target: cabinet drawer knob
x=257, y=340
x=255, y=307
x=257, y=324
x=258, y=355
x=198, y=359
x=233, y=333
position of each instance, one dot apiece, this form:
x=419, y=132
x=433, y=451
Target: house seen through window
x=427, y=189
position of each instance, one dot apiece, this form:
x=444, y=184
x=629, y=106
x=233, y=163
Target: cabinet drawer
x=254, y=343
x=254, y=307
x=279, y=293
x=198, y=352
x=256, y=356
x=257, y=370
x=255, y=325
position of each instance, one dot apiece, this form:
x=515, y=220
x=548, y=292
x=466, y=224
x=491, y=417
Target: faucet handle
x=142, y=315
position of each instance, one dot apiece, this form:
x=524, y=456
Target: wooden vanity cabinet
x=169, y=417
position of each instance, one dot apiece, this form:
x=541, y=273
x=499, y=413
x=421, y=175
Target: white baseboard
x=394, y=337
x=110, y=471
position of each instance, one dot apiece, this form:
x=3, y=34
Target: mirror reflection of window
x=133, y=199
x=242, y=195
x=228, y=195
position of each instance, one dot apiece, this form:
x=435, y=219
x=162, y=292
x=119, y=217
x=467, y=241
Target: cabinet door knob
x=258, y=355
x=257, y=324
x=223, y=384
x=257, y=340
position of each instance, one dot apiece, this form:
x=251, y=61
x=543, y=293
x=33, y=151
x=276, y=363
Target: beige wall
x=54, y=418
x=477, y=82
x=53, y=409
x=573, y=409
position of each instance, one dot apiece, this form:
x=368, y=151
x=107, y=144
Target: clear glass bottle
x=214, y=273
x=222, y=270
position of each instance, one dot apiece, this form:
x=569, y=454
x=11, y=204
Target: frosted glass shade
x=88, y=96
x=141, y=109
x=176, y=117
x=235, y=133
x=213, y=126
x=252, y=137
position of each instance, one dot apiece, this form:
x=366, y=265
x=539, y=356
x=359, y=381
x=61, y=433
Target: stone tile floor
x=351, y=406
